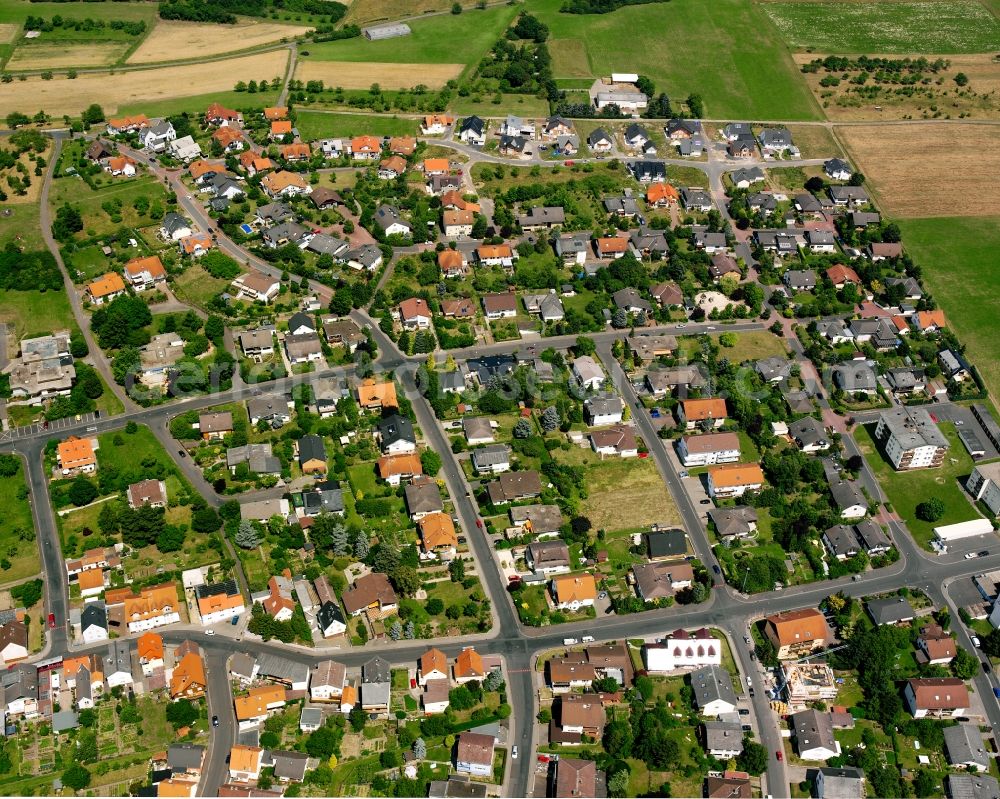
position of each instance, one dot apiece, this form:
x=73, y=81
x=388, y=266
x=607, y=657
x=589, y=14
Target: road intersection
x=726, y=608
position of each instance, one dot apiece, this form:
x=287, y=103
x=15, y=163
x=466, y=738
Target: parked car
x=780, y=755
x=215, y=721
x=52, y=620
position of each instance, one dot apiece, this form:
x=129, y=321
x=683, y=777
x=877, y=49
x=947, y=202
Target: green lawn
x=30, y=313
x=21, y=227
x=17, y=538
x=687, y=46
x=445, y=39
x=958, y=257
x=196, y=287
x=905, y=490
x=525, y=105
x=196, y=103
x=964, y=26
x=317, y=125
x=97, y=221
x=18, y=10
x=89, y=262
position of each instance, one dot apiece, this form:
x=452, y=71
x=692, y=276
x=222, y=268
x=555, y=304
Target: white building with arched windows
x=684, y=649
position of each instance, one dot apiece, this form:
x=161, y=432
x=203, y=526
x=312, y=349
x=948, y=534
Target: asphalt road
x=726, y=608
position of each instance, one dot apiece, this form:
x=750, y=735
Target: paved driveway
x=962, y=416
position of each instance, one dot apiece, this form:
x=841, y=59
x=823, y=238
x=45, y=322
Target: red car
x=479, y=523
x=52, y=620
x=780, y=755
x=543, y=758
x=568, y=163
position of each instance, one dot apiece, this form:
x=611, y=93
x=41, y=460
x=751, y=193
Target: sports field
x=447, y=39
x=727, y=51
x=355, y=75
x=959, y=257
x=171, y=41
x=63, y=96
x=929, y=168
x=962, y=26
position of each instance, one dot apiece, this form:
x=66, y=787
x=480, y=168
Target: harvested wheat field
x=928, y=168
x=358, y=75
x=360, y=12
x=8, y=31
x=172, y=41
x=111, y=91
x=59, y=55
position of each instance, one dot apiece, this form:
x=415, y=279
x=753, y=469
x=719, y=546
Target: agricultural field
x=905, y=490
x=59, y=55
x=447, y=39
x=958, y=257
x=363, y=12
x=16, y=11
x=736, y=75
x=937, y=95
x=64, y=96
x=900, y=162
x=170, y=41
x=388, y=75
x=316, y=125
x=963, y=26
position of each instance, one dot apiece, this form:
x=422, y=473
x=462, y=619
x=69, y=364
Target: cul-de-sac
x=520, y=398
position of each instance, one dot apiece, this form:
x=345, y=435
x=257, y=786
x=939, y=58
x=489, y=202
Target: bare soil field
x=928, y=169
x=63, y=96
x=170, y=41
x=358, y=75
x=940, y=98
x=59, y=55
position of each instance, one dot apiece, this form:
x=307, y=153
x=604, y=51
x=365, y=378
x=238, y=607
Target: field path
x=289, y=72
x=96, y=357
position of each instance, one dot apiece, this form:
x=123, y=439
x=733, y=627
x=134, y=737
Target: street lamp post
x=743, y=590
